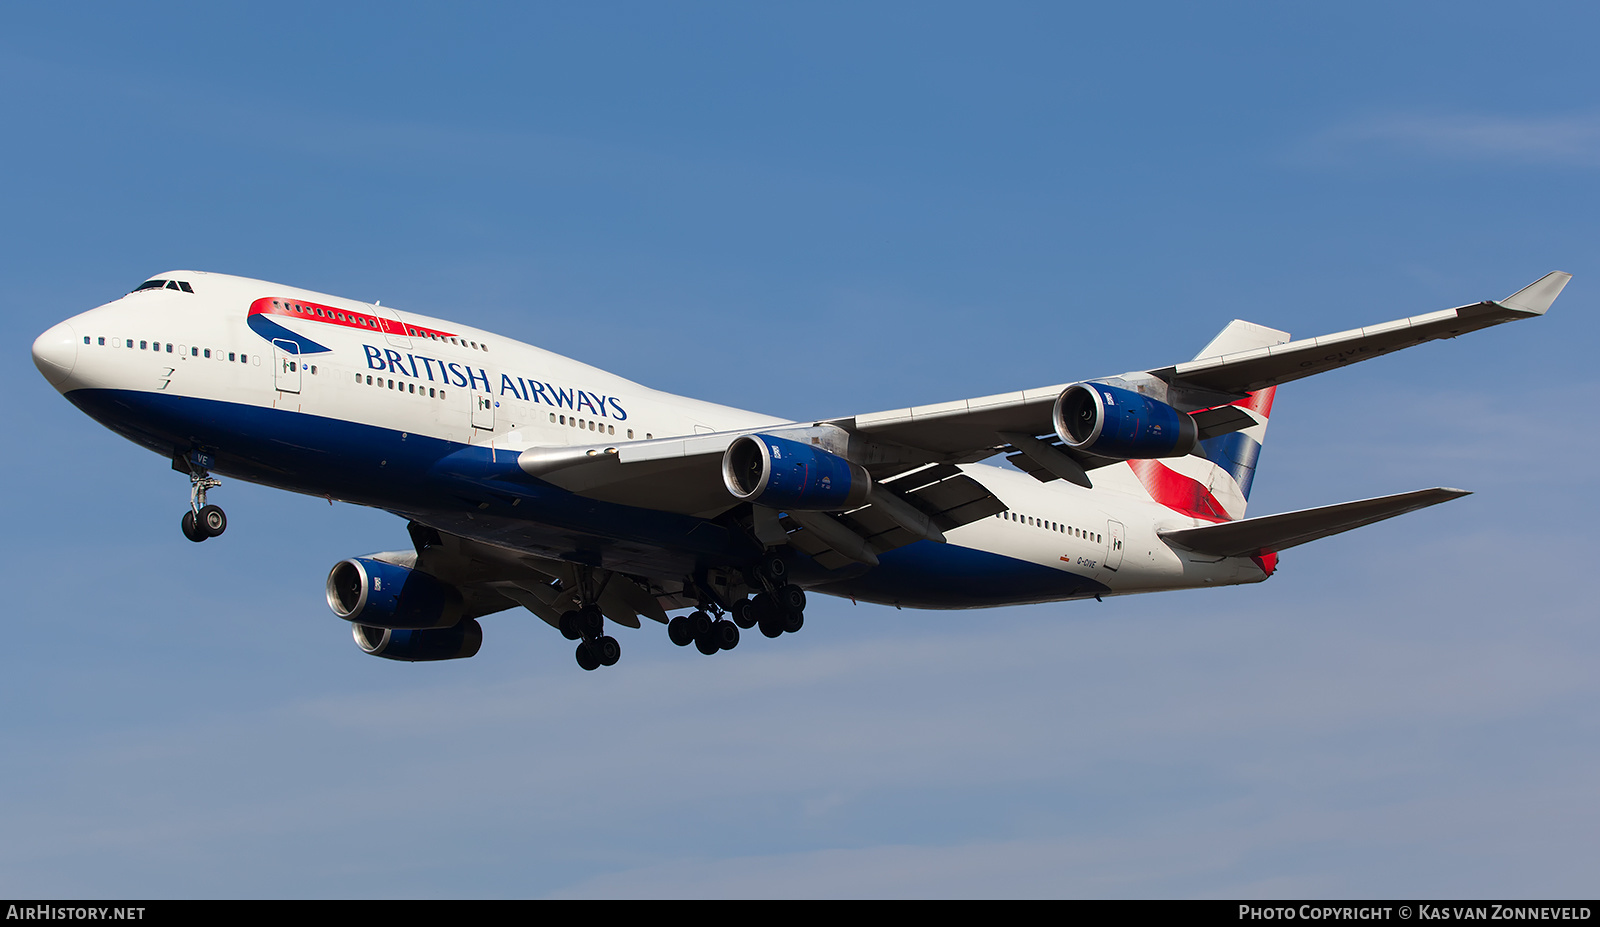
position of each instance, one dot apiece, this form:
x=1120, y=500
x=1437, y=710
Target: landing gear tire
x=680, y=631
x=707, y=643
x=212, y=520
x=726, y=634
x=192, y=529
x=569, y=626
x=744, y=615
x=586, y=657
x=606, y=650
x=795, y=622
x=767, y=615
x=792, y=599
x=775, y=568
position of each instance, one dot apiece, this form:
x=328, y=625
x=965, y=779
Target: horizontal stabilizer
x=1280, y=532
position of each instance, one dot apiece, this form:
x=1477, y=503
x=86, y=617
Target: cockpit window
x=168, y=284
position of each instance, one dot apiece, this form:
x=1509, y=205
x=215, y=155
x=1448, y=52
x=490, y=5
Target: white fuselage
x=240, y=343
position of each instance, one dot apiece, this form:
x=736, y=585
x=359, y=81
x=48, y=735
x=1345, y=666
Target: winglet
x=1537, y=296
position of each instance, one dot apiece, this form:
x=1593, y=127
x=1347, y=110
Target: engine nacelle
x=420, y=646
x=786, y=474
x=1111, y=422
x=383, y=595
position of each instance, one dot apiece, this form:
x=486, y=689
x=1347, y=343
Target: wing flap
x=1273, y=533
x=948, y=497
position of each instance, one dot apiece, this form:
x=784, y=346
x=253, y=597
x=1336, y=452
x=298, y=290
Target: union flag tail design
x=1213, y=483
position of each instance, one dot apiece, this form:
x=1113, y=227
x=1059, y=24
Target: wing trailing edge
x=1274, y=533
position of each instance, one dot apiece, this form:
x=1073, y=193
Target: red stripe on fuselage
x=328, y=315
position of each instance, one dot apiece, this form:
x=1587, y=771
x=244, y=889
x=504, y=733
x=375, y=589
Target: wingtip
x=1536, y=297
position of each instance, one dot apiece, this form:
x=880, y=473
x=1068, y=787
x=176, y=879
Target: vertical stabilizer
x=1213, y=483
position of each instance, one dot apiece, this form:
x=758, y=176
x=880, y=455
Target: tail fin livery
x=1214, y=482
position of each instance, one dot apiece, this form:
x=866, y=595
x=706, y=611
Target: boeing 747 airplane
x=528, y=479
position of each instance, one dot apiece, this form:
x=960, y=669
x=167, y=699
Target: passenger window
x=194, y=352
x=102, y=340
x=144, y=345
x=208, y=352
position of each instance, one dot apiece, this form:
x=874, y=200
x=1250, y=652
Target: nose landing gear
x=202, y=521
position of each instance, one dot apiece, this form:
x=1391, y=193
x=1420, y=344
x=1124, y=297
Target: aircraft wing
x=492, y=578
x=1252, y=370
x=910, y=453
x=971, y=429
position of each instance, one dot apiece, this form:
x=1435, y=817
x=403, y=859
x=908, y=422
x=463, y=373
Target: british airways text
x=462, y=375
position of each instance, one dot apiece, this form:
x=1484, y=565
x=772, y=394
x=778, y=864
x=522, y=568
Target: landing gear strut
x=202, y=521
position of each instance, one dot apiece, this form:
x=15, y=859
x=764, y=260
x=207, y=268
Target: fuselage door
x=1114, y=544
x=483, y=411
x=286, y=365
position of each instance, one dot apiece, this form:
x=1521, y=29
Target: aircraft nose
x=55, y=353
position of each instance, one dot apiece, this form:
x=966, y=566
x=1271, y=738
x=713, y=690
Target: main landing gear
x=586, y=625
x=202, y=521
x=780, y=607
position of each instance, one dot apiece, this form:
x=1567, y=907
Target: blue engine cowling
x=785, y=474
x=421, y=646
x=1111, y=422
x=383, y=595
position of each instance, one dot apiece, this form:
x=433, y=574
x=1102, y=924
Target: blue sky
x=816, y=210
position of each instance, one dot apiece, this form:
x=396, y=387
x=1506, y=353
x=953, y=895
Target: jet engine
x=383, y=595
x=419, y=646
x=1112, y=422
x=785, y=474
